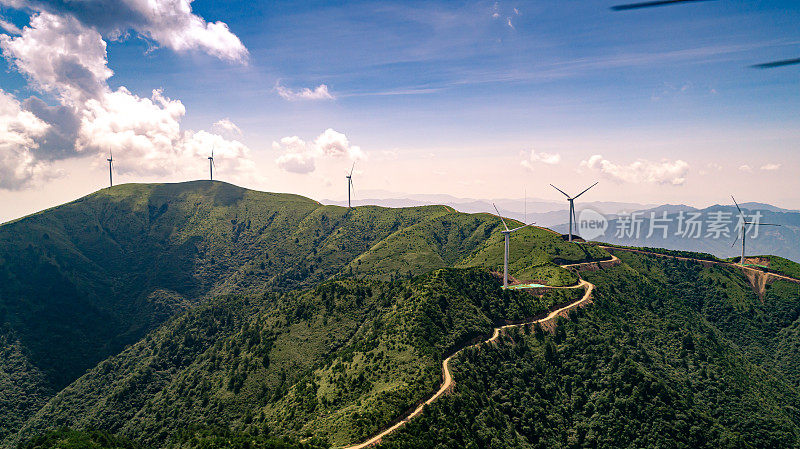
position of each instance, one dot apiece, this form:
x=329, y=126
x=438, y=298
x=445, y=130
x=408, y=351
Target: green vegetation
x=73, y=439
x=82, y=281
x=780, y=265
x=331, y=362
x=678, y=359
x=668, y=252
x=195, y=439
x=202, y=315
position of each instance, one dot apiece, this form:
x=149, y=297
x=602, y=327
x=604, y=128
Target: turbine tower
x=110, y=175
x=507, y=235
x=571, y=200
x=742, y=229
x=211, y=164
x=350, y=184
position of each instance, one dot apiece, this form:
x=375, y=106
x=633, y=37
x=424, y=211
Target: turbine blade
x=650, y=4
x=551, y=185
x=737, y=206
x=352, y=186
x=501, y=217
x=352, y=168
x=767, y=224
x=587, y=189
x=523, y=226
x=773, y=64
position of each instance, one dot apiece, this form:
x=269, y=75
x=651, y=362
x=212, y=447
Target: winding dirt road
x=447, y=376
x=589, y=287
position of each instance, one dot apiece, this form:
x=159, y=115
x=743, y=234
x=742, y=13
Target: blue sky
x=451, y=97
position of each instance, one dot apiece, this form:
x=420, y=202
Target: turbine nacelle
x=571, y=200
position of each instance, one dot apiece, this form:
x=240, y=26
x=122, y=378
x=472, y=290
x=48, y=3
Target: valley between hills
x=201, y=315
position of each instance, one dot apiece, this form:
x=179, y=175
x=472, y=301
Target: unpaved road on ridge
x=448, y=378
x=715, y=262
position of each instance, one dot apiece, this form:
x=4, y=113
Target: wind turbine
x=350, y=183
x=507, y=234
x=211, y=164
x=110, y=175
x=571, y=200
x=742, y=230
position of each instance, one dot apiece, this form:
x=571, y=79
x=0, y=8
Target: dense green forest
x=189, y=439
x=82, y=281
x=333, y=362
x=672, y=354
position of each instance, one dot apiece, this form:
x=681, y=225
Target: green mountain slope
x=672, y=354
x=332, y=362
x=81, y=281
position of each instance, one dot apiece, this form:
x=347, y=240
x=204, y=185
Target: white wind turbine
x=743, y=230
x=571, y=200
x=211, y=164
x=350, y=183
x=110, y=165
x=507, y=235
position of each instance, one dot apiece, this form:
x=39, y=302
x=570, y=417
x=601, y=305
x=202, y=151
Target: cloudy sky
x=472, y=99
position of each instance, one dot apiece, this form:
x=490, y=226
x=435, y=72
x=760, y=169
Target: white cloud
x=9, y=27
x=300, y=156
x=510, y=25
x=641, y=171
x=540, y=158
x=745, y=168
x=319, y=93
x=61, y=56
x=169, y=23
x=19, y=131
x=771, y=167
x=226, y=126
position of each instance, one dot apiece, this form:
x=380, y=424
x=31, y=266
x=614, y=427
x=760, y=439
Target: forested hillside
x=81, y=281
x=673, y=353
x=334, y=362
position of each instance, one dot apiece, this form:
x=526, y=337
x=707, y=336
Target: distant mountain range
x=543, y=212
x=782, y=241
x=712, y=230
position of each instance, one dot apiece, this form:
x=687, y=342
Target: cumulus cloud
x=169, y=23
x=540, y=158
x=19, y=131
x=300, y=156
x=62, y=57
x=745, y=168
x=771, y=167
x=641, y=171
x=319, y=93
